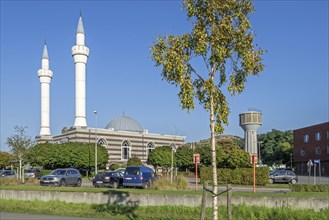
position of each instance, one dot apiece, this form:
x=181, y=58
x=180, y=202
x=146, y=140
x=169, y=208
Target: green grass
x=156, y=212
x=152, y=191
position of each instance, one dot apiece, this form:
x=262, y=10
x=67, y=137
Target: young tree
x=5, y=159
x=160, y=156
x=19, y=143
x=184, y=156
x=134, y=161
x=222, y=38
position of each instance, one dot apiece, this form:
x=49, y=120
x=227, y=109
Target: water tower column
x=250, y=121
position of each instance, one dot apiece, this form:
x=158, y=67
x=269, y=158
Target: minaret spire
x=45, y=52
x=45, y=75
x=80, y=26
x=80, y=55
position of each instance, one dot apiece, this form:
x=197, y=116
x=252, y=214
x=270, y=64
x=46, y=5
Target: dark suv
x=108, y=179
x=62, y=177
x=283, y=176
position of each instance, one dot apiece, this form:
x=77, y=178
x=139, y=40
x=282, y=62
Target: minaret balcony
x=45, y=73
x=80, y=50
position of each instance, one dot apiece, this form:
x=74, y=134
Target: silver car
x=8, y=174
x=62, y=177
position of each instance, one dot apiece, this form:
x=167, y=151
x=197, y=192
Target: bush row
x=309, y=188
x=239, y=176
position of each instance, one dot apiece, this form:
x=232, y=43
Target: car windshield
x=58, y=172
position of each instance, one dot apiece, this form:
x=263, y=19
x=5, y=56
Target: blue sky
x=292, y=91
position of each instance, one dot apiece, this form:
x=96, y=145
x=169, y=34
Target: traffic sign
x=196, y=158
x=316, y=161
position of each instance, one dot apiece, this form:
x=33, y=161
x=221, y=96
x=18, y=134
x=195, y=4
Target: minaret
x=80, y=54
x=45, y=75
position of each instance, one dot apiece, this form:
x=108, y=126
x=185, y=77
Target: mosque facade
x=123, y=137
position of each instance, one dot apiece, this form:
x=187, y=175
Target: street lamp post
x=95, y=112
x=259, y=157
x=173, y=149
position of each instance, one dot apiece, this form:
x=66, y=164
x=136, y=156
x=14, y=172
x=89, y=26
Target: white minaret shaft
x=45, y=75
x=80, y=55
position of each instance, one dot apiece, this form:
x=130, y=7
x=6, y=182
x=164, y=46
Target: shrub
x=164, y=184
x=9, y=181
x=241, y=176
x=134, y=161
x=181, y=183
x=309, y=188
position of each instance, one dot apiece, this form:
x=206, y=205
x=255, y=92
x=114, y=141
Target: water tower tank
x=250, y=121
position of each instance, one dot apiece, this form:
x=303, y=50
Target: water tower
x=250, y=121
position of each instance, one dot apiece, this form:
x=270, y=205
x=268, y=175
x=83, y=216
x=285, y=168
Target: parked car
x=32, y=173
x=8, y=174
x=108, y=179
x=138, y=176
x=283, y=176
x=121, y=170
x=97, y=179
x=62, y=177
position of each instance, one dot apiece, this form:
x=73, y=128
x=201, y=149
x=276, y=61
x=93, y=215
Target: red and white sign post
x=196, y=160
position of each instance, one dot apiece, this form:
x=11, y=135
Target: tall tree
x=221, y=37
x=276, y=147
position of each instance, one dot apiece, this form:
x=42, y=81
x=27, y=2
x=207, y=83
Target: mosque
x=123, y=137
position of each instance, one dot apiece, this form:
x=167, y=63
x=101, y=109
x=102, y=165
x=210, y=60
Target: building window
x=302, y=152
x=102, y=142
x=318, y=150
x=317, y=136
x=328, y=134
x=149, y=148
x=306, y=138
x=125, y=150
x=328, y=149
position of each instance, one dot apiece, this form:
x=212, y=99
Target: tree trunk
x=213, y=162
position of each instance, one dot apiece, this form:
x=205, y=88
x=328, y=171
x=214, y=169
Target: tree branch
x=193, y=70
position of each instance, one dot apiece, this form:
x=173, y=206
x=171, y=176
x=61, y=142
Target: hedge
x=239, y=176
x=309, y=188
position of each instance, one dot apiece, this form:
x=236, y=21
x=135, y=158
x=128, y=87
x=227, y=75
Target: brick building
x=311, y=143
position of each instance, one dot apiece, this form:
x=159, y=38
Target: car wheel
x=271, y=181
x=115, y=185
x=293, y=181
x=79, y=182
x=62, y=183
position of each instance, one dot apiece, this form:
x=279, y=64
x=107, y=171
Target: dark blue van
x=138, y=176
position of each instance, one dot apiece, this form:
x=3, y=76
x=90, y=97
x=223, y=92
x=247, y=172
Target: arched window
x=102, y=142
x=149, y=148
x=125, y=150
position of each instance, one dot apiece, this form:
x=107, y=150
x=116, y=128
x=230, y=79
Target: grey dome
x=124, y=123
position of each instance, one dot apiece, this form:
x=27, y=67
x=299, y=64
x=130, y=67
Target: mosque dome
x=124, y=123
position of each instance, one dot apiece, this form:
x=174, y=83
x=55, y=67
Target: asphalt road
x=301, y=180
